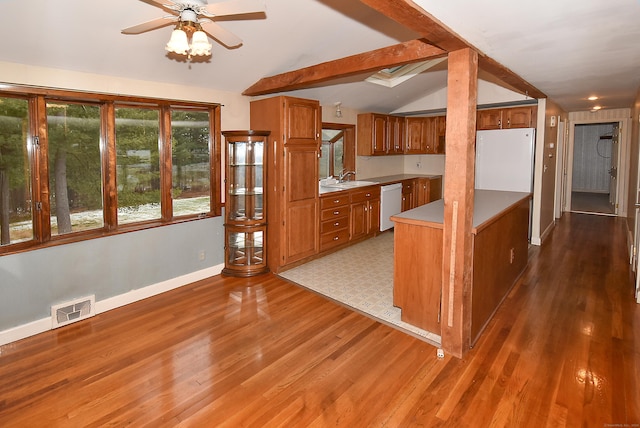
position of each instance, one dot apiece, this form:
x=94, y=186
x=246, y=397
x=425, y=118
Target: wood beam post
x=457, y=269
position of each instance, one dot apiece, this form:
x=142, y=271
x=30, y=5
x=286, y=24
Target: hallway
x=563, y=350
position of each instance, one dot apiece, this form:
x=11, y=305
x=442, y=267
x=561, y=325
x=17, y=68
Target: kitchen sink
x=351, y=184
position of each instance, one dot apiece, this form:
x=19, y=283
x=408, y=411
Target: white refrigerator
x=504, y=159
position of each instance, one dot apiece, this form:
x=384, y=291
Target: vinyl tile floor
x=360, y=277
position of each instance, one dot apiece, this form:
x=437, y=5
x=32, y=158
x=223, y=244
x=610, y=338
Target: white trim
x=39, y=326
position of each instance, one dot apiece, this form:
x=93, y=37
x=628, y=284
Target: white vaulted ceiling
x=568, y=49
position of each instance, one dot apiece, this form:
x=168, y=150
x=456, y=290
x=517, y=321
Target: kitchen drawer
x=329, y=240
x=331, y=213
x=366, y=194
x=332, y=225
x=339, y=199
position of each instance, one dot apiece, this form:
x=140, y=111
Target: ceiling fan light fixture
x=178, y=42
x=200, y=44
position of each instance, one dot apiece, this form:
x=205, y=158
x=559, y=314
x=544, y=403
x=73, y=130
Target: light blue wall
x=32, y=281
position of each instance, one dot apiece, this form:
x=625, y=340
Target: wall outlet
x=440, y=353
x=418, y=165
x=202, y=255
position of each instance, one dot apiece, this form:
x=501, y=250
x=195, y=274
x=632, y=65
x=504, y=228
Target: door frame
x=623, y=160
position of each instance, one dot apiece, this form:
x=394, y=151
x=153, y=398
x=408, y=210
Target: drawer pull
x=368, y=195
x=336, y=201
x=335, y=238
x=336, y=212
x=337, y=223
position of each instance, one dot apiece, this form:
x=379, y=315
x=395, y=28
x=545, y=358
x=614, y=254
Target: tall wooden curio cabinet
x=245, y=207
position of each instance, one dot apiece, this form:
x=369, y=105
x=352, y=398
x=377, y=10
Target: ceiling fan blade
x=150, y=25
x=165, y=4
x=236, y=7
x=225, y=37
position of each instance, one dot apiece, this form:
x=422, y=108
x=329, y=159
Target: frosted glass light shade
x=200, y=44
x=178, y=42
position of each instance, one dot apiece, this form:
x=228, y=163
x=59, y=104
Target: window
x=190, y=162
x=81, y=165
x=338, y=150
x=138, y=164
x=16, y=221
x=75, y=178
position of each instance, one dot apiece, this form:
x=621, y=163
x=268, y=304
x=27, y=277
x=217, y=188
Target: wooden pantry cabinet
x=505, y=118
x=292, y=176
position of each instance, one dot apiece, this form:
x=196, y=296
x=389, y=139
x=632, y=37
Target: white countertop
x=487, y=204
x=387, y=179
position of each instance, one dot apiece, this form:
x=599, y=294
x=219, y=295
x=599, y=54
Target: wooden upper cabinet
x=302, y=121
x=505, y=118
x=380, y=134
x=489, y=119
x=425, y=135
x=519, y=117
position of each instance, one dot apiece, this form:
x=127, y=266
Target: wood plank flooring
x=562, y=351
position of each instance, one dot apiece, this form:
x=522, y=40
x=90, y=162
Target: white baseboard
x=35, y=327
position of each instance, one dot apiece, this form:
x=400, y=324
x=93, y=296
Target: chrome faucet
x=344, y=174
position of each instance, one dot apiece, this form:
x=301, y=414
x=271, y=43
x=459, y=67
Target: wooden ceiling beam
x=413, y=17
x=367, y=62
x=509, y=77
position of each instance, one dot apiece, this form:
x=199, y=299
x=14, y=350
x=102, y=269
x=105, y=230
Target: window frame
x=38, y=158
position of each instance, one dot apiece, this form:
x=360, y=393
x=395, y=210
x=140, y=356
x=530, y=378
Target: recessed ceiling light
x=592, y=98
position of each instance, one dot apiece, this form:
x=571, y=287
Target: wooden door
x=517, y=117
x=300, y=232
x=374, y=217
x=396, y=135
x=302, y=121
x=415, y=136
x=489, y=119
x=613, y=169
x=379, y=134
x=441, y=128
x=421, y=191
x=358, y=222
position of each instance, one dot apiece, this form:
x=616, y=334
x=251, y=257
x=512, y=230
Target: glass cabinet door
x=245, y=181
x=245, y=226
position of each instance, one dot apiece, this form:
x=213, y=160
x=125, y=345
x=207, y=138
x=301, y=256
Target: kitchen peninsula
x=500, y=252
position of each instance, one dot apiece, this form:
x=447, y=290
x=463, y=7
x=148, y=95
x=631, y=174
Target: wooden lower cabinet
x=365, y=213
x=348, y=216
x=500, y=252
x=420, y=191
x=334, y=220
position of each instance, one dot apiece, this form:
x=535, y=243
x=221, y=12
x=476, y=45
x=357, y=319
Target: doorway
x=594, y=176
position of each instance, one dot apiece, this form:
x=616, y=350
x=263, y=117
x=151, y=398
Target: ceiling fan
x=196, y=19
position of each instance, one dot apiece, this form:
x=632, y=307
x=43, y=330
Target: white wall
x=488, y=93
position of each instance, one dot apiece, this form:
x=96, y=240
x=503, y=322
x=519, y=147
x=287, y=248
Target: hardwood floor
x=562, y=350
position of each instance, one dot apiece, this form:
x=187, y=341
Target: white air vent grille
x=75, y=310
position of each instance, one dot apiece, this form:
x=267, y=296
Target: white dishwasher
x=390, y=204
